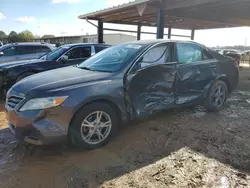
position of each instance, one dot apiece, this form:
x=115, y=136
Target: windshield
x=55, y=54
x=111, y=59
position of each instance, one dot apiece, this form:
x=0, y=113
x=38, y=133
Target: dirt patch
x=179, y=148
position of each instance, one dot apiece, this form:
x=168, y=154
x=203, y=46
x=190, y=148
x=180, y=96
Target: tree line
x=24, y=36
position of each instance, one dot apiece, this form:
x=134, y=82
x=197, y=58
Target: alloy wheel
x=219, y=96
x=96, y=127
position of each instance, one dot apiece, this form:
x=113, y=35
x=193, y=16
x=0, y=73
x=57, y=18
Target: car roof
x=27, y=43
x=84, y=44
x=159, y=41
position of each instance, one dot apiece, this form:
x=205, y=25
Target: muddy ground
x=181, y=148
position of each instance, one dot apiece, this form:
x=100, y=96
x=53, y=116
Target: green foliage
x=13, y=37
x=26, y=36
x=2, y=35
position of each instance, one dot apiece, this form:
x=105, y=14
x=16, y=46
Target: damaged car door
x=150, y=82
x=197, y=68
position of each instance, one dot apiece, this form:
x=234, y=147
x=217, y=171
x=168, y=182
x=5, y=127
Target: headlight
x=43, y=103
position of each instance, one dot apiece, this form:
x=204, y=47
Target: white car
x=23, y=51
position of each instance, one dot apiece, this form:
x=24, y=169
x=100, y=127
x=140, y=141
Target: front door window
x=78, y=53
x=9, y=51
x=157, y=55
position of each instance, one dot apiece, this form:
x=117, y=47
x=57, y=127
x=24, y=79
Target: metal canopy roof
x=181, y=14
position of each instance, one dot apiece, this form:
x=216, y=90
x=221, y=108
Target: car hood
x=18, y=63
x=58, y=80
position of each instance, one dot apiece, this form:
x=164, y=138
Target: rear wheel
x=217, y=96
x=93, y=126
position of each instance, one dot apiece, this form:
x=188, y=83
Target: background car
x=87, y=103
x=66, y=55
x=226, y=51
x=22, y=51
x=240, y=57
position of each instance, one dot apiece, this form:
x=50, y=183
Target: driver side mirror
x=1, y=54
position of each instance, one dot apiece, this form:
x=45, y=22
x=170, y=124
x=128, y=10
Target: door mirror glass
x=1, y=54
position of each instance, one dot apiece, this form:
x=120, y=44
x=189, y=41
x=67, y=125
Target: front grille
x=13, y=101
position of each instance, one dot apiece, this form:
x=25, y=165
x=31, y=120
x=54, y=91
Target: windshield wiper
x=86, y=68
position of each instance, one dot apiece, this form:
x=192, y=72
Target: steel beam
x=192, y=34
x=160, y=23
x=100, y=32
x=169, y=32
x=139, y=32
x=143, y=32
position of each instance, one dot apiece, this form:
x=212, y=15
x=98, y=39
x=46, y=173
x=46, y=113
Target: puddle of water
x=234, y=98
x=244, y=93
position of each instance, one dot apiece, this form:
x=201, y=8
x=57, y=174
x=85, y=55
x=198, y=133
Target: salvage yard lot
x=180, y=148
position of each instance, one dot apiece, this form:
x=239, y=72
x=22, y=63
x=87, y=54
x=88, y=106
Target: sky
x=60, y=17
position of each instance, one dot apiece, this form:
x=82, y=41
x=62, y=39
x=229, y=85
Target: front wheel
x=93, y=126
x=217, y=96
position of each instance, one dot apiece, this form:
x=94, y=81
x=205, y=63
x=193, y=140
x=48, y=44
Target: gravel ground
x=179, y=148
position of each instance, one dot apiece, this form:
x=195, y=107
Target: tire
x=24, y=75
x=212, y=103
x=78, y=134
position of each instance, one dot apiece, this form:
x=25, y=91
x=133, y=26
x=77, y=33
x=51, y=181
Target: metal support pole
x=169, y=32
x=100, y=31
x=160, y=24
x=139, y=32
x=192, y=34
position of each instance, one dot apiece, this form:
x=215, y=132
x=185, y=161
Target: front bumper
x=33, y=136
x=39, y=127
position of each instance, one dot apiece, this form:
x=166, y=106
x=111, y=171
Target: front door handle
x=213, y=66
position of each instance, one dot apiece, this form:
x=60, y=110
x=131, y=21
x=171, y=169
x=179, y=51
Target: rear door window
x=188, y=53
x=23, y=50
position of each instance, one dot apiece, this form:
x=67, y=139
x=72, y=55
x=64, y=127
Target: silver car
x=23, y=51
